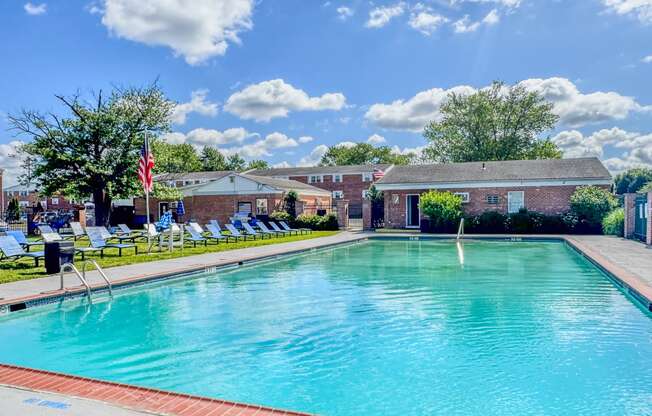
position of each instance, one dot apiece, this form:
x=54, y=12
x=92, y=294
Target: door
x=413, y=216
x=640, y=222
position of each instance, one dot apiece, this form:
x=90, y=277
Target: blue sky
x=278, y=80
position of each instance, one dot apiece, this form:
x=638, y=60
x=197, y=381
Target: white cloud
x=314, y=157
x=343, y=12
x=426, y=22
x=465, y=25
x=415, y=113
x=417, y=151
x=35, y=9
x=275, y=98
x=642, y=9
x=376, y=139
x=380, y=16
x=491, y=18
x=283, y=164
x=346, y=143
x=638, y=147
x=209, y=137
x=197, y=30
x=197, y=104
x=647, y=59
x=305, y=139
x=262, y=148
x=11, y=162
x=574, y=108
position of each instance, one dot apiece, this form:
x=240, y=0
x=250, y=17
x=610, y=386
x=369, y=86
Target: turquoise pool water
x=378, y=328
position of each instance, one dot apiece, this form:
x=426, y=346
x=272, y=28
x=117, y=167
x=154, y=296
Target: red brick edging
x=128, y=396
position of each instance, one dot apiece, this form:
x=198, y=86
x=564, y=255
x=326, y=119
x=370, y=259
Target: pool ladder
x=82, y=276
x=460, y=230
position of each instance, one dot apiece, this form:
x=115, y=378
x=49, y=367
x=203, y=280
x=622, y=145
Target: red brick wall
x=545, y=199
x=351, y=185
x=33, y=198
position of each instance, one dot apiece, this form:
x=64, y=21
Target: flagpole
x=149, y=246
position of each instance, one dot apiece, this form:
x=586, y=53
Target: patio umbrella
x=181, y=210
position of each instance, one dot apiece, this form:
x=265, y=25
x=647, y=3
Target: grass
x=12, y=270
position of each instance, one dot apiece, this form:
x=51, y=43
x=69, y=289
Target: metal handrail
x=72, y=268
x=460, y=229
x=100, y=271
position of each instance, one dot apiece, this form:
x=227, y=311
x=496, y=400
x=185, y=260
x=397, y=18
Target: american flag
x=145, y=166
x=378, y=174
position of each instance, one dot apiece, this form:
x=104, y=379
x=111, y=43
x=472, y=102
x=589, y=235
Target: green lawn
x=11, y=270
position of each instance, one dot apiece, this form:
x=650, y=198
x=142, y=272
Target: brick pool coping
x=159, y=401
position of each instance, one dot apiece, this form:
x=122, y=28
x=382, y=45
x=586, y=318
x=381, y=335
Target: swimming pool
x=382, y=327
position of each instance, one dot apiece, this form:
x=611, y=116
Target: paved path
x=28, y=288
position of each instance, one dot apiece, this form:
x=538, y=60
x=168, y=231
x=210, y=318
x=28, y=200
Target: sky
x=281, y=80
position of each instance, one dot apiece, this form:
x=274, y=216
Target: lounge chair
x=10, y=249
x=125, y=230
x=216, y=224
x=216, y=234
x=266, y=230
x=277, y=228
x=97, y=243
x=235, y=233
x=196, y=227
x=250, y=231
x=287, y=227
x=48, y=234
x=106, y=235
x=195, y=237
x=22, y=240
x=77, y=231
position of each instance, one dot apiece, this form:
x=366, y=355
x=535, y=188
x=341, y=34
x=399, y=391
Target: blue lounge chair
x=266, y=230
x=77, y=231
x=235, y=233
x=22, y=240
x=277, y=228
x=48, y=234
x=216, y=234
x=216, y=224
x=250, y=231
x=10, y=249
x=97, y=243
x=106, y=235
x=195, y=237
x=287, y=227
x=124, y=230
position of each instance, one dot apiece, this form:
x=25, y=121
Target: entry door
x=413, y=217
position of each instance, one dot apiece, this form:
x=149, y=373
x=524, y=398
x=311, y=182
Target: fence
x=15, y=225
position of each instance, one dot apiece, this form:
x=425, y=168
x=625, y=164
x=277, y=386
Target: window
x=23, y=204
x=465, y=197
x=492, y=199
x=244, y=208
x=23, y=193
x=366, y=177
x=261, y=206
x=187, y=182
x=365, y=194
x=55, y=201
x=337, y=178
x=315, y=179
x=515, y=201
x=338, y=194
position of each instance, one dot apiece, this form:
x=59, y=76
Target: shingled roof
x=511, y=170
x=318, y=170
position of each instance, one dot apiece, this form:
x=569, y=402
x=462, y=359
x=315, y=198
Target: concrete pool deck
x=34, y=392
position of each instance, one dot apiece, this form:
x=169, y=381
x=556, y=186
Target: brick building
x=538, y=185
x=231, y=192
x=344, y=182
x=28, y=196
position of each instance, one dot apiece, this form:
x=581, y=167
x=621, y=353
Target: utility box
x=58, y=253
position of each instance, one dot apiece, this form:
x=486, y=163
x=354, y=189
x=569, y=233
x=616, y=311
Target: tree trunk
x=102, y=208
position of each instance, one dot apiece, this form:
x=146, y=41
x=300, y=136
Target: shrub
x=614, y=222
x=488, y=222
x=591, y=204
x=443, y=208
x=290, y=203
x=13, y=210
x=317, y=222
x=646, y=188
x=281, y=216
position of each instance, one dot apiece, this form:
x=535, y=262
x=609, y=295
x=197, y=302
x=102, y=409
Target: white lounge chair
x=301, y=230
x=195, y=237
x=250, y=231
x=277, y=228
x=217, y=235
x=235, y=233
x=266, y=230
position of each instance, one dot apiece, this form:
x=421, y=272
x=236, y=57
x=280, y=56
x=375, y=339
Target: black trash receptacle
x=58, y=253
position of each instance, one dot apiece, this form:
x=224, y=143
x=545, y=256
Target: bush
x=443, y=208
x=13, y=210
x=522, y=222
x=491, y=222
x=591, y=204
x=317, y=222
x=614, y=222
x=281, y=216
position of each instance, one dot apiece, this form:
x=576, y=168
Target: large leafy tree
x=212, y=159
x=363, y=154
x=632, y=180
x=257, y=164
x=92, y=148
x=175, y=158
x=235, y=162
x=497, y=123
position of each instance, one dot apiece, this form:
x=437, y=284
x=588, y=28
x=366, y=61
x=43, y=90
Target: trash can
x=58, y=253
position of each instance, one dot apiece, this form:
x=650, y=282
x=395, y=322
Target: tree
x=258, y=164
x=93, y=149
x=632, y=180
x=497, y=123
x=235, y=162
x=364, y=154
x=163, y=192
x=443, y=208
x=591, y=204
x=175, y=158
x=212, y=159
x=290, y=203
x=13, y=210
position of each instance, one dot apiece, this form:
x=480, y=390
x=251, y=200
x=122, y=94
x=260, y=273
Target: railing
x=100, y=271
x=72, y=268
x=460, y=229
x=82, y=276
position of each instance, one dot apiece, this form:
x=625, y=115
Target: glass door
x=412, y=214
